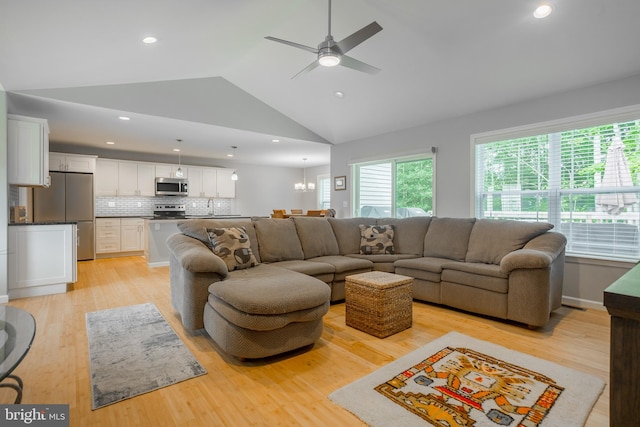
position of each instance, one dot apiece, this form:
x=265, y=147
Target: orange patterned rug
x=460, y=381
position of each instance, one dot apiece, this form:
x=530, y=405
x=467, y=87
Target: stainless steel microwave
x=172, y=187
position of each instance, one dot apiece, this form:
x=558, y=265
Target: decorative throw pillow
x=233, y=247
x=376, y=239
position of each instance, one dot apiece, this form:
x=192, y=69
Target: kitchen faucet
x=210, y=206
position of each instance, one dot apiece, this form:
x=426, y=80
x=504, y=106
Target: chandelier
x=304, y=186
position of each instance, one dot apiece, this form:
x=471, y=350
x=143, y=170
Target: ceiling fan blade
x=352, y=63
x=308, y=68
x=298, y=45
x=349, y=42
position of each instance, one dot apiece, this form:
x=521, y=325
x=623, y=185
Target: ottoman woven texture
x=379, y=303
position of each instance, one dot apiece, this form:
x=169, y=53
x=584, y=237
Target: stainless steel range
x=170, y=211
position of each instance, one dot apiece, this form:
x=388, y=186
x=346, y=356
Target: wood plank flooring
x=288, y=390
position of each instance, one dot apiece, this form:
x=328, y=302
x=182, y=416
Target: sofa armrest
x=539, y=252
x=195, y=256
x=193, y=268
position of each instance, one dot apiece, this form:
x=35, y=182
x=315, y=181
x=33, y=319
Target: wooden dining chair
x=314, y=212
x=296, y=211
x=278, y=213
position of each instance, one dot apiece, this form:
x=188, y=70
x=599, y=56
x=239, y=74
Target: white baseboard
x=36, y=291
x=4, y=299
x=582, y=303
x=158, y=264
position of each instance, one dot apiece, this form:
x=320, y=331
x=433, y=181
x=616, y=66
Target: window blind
x=584, y=181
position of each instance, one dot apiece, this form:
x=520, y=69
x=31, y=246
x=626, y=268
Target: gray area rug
x=133, y=350
x=459, y=380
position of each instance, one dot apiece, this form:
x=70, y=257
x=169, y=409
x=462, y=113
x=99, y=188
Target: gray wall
x=4, y=209
x=584, y=279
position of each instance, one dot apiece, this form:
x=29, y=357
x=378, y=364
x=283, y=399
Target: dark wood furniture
x=622, y=300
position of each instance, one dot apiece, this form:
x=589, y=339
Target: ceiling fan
x=331, y=53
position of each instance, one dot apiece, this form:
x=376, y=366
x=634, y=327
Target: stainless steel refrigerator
x=68, y=198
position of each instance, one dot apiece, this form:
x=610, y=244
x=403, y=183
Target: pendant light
x=234, y=175
x=303, y=186
x=179, y=173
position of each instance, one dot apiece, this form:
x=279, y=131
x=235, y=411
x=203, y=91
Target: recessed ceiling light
x=125, y=118
x=110, y=143
x=543, y=11
x=275, y=140
x=339, y=94
x=176, y=150
x=149, y=40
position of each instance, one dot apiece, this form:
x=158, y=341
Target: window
x=394, y=188
x=324, y=192
x=584, y=180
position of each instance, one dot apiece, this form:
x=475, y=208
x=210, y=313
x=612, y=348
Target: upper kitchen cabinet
x=27, y=151
x=106, y=178
x=225, y=185
x=169, y=171
x=62, y=162
x=202, y=182
x=124, y=178
x=136, y=179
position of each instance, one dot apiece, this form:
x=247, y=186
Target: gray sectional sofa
x=290, y=269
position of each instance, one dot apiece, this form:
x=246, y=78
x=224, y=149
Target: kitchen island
x=41, y=258
x=158, y=230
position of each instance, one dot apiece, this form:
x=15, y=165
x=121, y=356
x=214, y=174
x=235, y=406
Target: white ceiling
x=213, y=81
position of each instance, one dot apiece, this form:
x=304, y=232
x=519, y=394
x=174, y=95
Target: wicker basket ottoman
x=379, y=303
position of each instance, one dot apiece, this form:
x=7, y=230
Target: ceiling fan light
x=329, y=59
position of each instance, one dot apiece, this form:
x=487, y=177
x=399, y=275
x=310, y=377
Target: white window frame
x=403, y=158
x=555, y=126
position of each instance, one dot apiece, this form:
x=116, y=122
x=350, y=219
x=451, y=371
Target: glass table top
x=17, y=330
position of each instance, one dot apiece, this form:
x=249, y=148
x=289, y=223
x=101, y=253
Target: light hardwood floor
x=282, y=391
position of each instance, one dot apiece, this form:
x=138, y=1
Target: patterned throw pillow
x=233, y=246
x=376, y=239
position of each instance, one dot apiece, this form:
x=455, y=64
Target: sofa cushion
x=376, y=239
x=316, y=237
x=278, y=240
x=491, y=239
x=269, y=290
x=408, y=237
x=448, y=238
x=233, y=246
x=197, y=228
x=347, y=232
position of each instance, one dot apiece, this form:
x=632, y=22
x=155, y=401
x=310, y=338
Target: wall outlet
x=218, y=204
x=139, y=204
x=112, y=204
x=193, y=205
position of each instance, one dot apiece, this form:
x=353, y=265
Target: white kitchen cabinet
x=226, y=187
x=202, y=182
x=107, y=235
x=27, y=151
x=124, y=178
x=106, y=177
x=169, y=171
x=131, y=234
x=63, y=162
x=146, y=179
x=41, y=259
x=127, y=179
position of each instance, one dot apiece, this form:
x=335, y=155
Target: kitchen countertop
x=44, y=223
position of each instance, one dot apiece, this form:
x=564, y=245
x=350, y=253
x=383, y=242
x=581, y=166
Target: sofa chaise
x=268, y=294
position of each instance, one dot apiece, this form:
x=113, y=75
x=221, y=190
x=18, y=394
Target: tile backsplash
x=144, y=206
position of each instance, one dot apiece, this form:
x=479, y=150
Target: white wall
x=4, y=209
x=584, y=280
x=260, y=189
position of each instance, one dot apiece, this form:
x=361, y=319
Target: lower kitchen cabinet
x=131, y=234
x=41, y=259
x=115, y=236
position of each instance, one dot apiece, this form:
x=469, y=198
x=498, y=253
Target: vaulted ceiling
x=213, y=80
